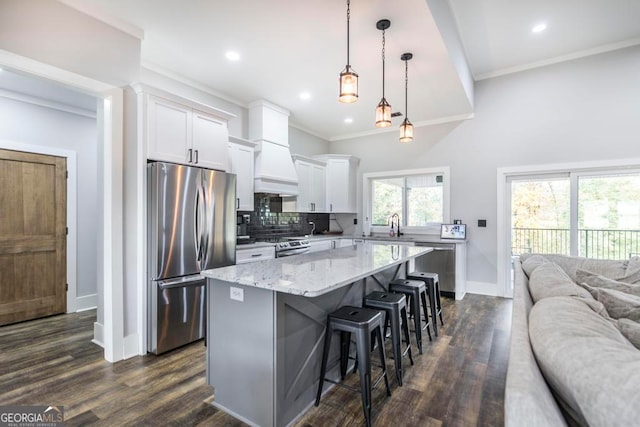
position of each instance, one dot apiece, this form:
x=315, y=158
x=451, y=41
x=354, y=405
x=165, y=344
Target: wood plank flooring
x=458, y=381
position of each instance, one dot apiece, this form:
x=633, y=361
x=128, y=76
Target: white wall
x=581, y=110
x=31, y=124
x=306, y=144
x=54, y=33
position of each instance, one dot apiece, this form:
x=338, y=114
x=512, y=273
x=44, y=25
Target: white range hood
x=274, y=169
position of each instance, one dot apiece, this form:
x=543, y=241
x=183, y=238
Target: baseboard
x=483, y=288
x=98, y=334
x=130, y=344
x=87, y=302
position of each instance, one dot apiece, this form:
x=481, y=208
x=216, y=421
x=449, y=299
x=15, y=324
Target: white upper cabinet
x=179, y=132
x=341, y=183
x=241, y=157
x=208, y=132
x=311, y=186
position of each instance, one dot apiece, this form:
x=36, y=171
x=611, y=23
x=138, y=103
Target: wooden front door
x=33, y=200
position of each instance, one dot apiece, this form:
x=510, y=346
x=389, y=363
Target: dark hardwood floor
x=458, y=381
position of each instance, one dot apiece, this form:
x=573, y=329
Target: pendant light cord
x=348, y=19
x=383, y=45
x=406, y=84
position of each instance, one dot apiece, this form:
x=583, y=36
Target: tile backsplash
x=267, y=222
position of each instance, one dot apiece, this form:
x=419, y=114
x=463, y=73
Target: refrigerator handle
x=198, y=231
x=205, y=229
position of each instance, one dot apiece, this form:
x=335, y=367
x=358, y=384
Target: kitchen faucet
x=313, y=226
x=397, y=218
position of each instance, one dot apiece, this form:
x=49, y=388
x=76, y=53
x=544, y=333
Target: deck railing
x=601, y=244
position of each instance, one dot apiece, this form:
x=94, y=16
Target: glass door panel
x=540, y=215
x=609, y=216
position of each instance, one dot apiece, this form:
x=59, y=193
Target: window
x=419, y=197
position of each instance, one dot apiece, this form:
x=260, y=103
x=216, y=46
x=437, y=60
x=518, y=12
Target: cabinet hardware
x=190, y=155
x=255, y=255
x=238, y=203
x=196, y=157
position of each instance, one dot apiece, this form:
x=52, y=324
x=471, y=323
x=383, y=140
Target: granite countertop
x=317, y=273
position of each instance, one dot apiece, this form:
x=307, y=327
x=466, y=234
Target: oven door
x=291, y=252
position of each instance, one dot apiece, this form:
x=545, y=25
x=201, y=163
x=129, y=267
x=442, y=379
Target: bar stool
x=363, y=322
x=395, y=307
x=433, y=290
x=414, y=290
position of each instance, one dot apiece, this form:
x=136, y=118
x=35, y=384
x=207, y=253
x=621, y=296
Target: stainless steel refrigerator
x=191, y=227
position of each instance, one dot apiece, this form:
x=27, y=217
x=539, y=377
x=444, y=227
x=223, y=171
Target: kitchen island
x=266, y=323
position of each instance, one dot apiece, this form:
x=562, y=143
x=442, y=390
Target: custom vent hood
x=274, y=169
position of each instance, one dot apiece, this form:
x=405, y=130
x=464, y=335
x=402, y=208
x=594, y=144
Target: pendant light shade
x=406, y=128
x=348, y=77
x=383, y=110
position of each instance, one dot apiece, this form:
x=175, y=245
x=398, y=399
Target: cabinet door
x=320, y=245
x=305, y=182
x=340, y=186
x=242, y=164
x=318, y=188
x=210, y=138
x=169, y=129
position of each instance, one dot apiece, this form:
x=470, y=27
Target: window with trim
x=419, y=197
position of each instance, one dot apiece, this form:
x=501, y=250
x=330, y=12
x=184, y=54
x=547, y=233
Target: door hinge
x=66, y=286
x=66, y=174
x=66, y=230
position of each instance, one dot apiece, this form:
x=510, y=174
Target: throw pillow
x=550, y=280
x=631, y=331
x=618, y=304
x=633, y=271
x=598, y=281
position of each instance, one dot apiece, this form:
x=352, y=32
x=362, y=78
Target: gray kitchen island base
x=265, y=345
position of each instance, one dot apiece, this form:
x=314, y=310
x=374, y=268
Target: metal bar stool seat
x=395, y=308
x=363, y=323
x=433, y=290
x=415, y=291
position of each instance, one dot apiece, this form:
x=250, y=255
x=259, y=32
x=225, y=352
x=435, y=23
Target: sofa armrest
x=528, y=400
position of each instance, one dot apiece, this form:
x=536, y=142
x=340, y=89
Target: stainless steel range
x=289, y=246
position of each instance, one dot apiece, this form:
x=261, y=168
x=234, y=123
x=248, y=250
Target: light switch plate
x=236, y=294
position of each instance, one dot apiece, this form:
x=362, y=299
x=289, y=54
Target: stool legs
x=325, y=356
x=405, y=330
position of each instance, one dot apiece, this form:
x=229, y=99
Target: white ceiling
x=497, y=36
x=291, y=46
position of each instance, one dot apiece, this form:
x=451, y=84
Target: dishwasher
x=441, y=261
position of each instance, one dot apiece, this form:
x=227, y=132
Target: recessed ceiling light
x=232, y=56
x=305, y=95
x=348, y=120
x=538, y=28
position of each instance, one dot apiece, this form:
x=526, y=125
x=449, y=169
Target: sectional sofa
x=574, y=353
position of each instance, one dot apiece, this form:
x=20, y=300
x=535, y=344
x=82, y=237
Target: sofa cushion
x=598, y=281
x=609, y=268
x=592, y=368
x=549, y=280
x=631, y=330
x=619, y=305
x=531, y=262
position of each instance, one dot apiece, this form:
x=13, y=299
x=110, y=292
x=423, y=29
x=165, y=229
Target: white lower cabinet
x=320, y=245
x=244, y=256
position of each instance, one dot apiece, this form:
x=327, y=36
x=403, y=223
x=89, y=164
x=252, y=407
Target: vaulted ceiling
x=287, y=47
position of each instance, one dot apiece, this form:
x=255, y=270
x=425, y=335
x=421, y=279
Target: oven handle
x=292, y=252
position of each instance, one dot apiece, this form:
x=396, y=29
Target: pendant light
x=406, y=128
x=348, y=77
x=383, y=110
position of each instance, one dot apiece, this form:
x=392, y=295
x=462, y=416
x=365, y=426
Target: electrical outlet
x=355, y=221
x=482, y=223
x=236, y=294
